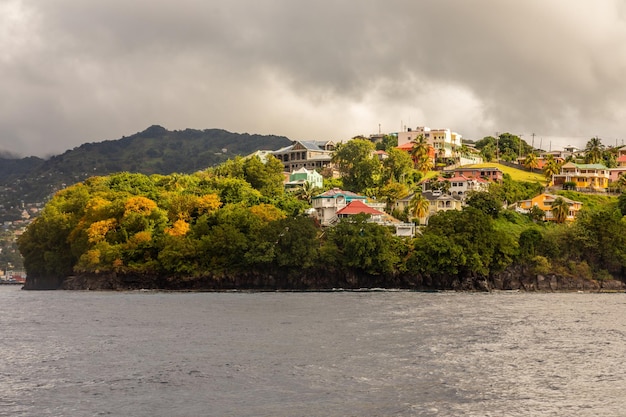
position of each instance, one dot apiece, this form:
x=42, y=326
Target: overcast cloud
x=76, y=71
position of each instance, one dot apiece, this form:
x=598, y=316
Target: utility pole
x=497, y=147
x=519, y=153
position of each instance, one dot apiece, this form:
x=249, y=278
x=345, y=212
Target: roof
x=356, y=207
x=335, y=192
x=313, y=145
x=552, y=197
x=429, y=195
x=405, y=146
x=584, y=166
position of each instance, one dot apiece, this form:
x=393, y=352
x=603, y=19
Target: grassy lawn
x=516, y=174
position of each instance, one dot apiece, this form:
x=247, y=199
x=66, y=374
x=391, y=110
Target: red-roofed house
x=376, y=216
x=328, y=203
x=358, y=207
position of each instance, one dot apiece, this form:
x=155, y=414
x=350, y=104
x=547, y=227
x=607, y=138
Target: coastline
x=512, y=279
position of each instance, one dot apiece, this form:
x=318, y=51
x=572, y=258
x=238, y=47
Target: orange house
x=544, y=202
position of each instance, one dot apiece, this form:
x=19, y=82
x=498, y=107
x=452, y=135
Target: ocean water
x=311, y=354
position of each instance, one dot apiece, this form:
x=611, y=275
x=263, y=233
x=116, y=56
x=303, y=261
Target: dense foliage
x=236, y=218
x=155, y=150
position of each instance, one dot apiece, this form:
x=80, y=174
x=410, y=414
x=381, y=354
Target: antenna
x=533, y=145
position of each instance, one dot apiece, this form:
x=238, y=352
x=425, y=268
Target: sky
x=77, y=71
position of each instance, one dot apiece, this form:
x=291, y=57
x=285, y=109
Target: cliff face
x=515, y=278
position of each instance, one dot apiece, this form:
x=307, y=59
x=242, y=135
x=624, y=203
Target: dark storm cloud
x=75, y=71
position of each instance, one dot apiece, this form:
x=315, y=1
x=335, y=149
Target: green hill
x=155, y=150
x=516, y=174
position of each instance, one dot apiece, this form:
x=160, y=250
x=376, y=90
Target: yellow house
x=592, y=177
x=544, y=202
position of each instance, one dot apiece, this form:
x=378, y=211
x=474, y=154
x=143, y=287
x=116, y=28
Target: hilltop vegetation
x=156, y=150
x=233, y=226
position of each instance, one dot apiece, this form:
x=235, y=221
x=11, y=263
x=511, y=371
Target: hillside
x=516, y=174
x=155, y=150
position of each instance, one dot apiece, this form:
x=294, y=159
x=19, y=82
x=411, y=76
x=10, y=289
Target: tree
x=560, y=209
x=529, y=240
x=306, y=192
x=392, y=192
x=484, y=201
x=266, y=177
x=388, y=143
x=531, y=162
x=421, y=159
x=621, y=203
x=361, y=245
x=358, y=165
x=551, y=168
x=619, y=184
x=397, y=166
x=536, y=214
x=419, y=207
x=594, y=150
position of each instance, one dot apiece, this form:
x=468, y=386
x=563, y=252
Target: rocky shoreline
x=515, y=278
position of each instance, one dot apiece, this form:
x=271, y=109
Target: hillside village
x=408, y=177
x=453, y=170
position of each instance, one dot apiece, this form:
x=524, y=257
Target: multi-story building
x=457, y=185
x=490, y=173
x=305, y=154
x=584, y=177
x=445, y=142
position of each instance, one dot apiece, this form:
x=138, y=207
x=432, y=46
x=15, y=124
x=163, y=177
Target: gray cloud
x=74, y=71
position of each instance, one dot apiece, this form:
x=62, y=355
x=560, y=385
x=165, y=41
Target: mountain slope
x=156, y=150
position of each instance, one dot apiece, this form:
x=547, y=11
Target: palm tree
x=424, y=164
x=621, y=181
x=419, y=153
x=560, y=209
x=531, y=161
x=551, y=168
x=419, y=206
x=594, y=150
x=306, y=192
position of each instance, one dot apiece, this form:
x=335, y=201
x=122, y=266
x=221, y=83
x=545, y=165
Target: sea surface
x=311, y=354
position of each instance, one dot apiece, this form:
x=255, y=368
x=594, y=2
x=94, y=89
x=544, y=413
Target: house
x=305, y=154
x=489, y=173
x=584, y=177
x=543, y=159
x=441, y=202
x=544, y=202
x=300, y=176
x=327, y=204
x=458, y=185
x=376, y=216
x=445, y=142
x=437, y=202
x=615, y=173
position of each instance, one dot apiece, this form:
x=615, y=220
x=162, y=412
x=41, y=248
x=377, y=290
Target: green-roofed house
x=585, y=177
x=300, y=176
